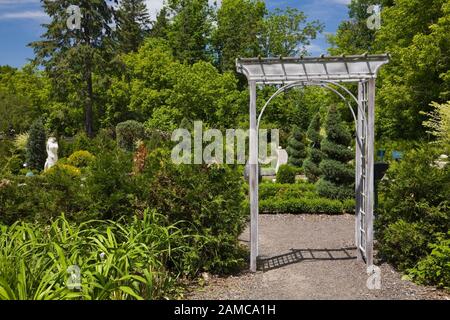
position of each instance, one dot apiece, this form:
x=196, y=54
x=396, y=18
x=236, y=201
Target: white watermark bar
x=215, y=146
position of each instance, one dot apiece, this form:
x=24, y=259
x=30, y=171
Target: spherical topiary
x=286, y=174
x=36, y=146
x=337, y=175
x=296, y=147
x=81, y=158
x=63, y=169
x=128, y=133
x=312, y=162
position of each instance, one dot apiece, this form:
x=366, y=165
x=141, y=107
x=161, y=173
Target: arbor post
x=370, y=170
x=253, y=179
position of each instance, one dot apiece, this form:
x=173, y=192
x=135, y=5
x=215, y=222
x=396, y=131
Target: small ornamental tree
x=296, y=147
x=128, y=133
x=36, y=146
x=312, y=162
x=337, y=175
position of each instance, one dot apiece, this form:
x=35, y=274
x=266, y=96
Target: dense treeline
x=121, y=83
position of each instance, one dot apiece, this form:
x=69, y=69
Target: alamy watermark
x=374, y=280
x=374, y=21
x=215, y=146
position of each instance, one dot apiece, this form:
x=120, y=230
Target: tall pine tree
x=133, y=23
x=337, y=179
x=71, y=57
x=312, y=162
x=190, y=30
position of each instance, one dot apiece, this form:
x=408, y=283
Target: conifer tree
x=133, y=23
x=337, y=179
x=36, y=146
x=296, y=147
x=312, y=162
x=72, y=54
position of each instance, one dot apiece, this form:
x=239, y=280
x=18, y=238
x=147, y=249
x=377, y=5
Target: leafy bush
x=286, y=174
x=414, y=210
x=208, y=198
x=81, y=158
x=36, y=146
x=21, y=141
x=128, y=133
x=434, y=269
x=63, y=169
x=110, y=185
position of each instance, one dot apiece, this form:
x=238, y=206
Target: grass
x=116, y=261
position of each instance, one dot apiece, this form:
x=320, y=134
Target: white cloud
x=35, y=14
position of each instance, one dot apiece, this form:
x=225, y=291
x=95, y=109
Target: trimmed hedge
x=303, y=205
x=298, y=198
x=286, y=174
x=270, y=190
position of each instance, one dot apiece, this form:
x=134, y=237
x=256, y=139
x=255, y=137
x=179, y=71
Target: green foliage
x=36, y=146
x=415, y=207
x=110, y=186
x=301, y=205
x=287, y=33
x=81, y=158
x=439, y=124
x=72, y=57
x=296, y=190
x=208, y=199
x=296, y=147
x=246, y=29
x=353, y=36
x=238, y=24
x=337, y=176
x=416, y=34
x=128, y=133
x=117, y=261
x=435, y=268
x=286, y=174
x=133, y=21
x=312, y=162
x=190, y=29
x=21, y=141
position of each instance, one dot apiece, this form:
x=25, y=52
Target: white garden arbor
x=329, y=73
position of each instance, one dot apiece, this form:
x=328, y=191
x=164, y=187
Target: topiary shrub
x=312, y=162
x=128, y=133
x=36, y=146
x=337, y=175
x=81, y=158
x=286, y=174
x=296, y=147
x=66, y=169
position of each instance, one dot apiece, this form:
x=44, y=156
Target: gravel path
x=295, y=274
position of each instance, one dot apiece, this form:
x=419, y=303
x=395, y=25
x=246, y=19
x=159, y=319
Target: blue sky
x=20, y=22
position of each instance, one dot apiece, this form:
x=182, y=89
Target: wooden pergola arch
x=327, y=72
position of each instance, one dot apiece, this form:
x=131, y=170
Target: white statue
x=52, y=153
x=281, y=159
